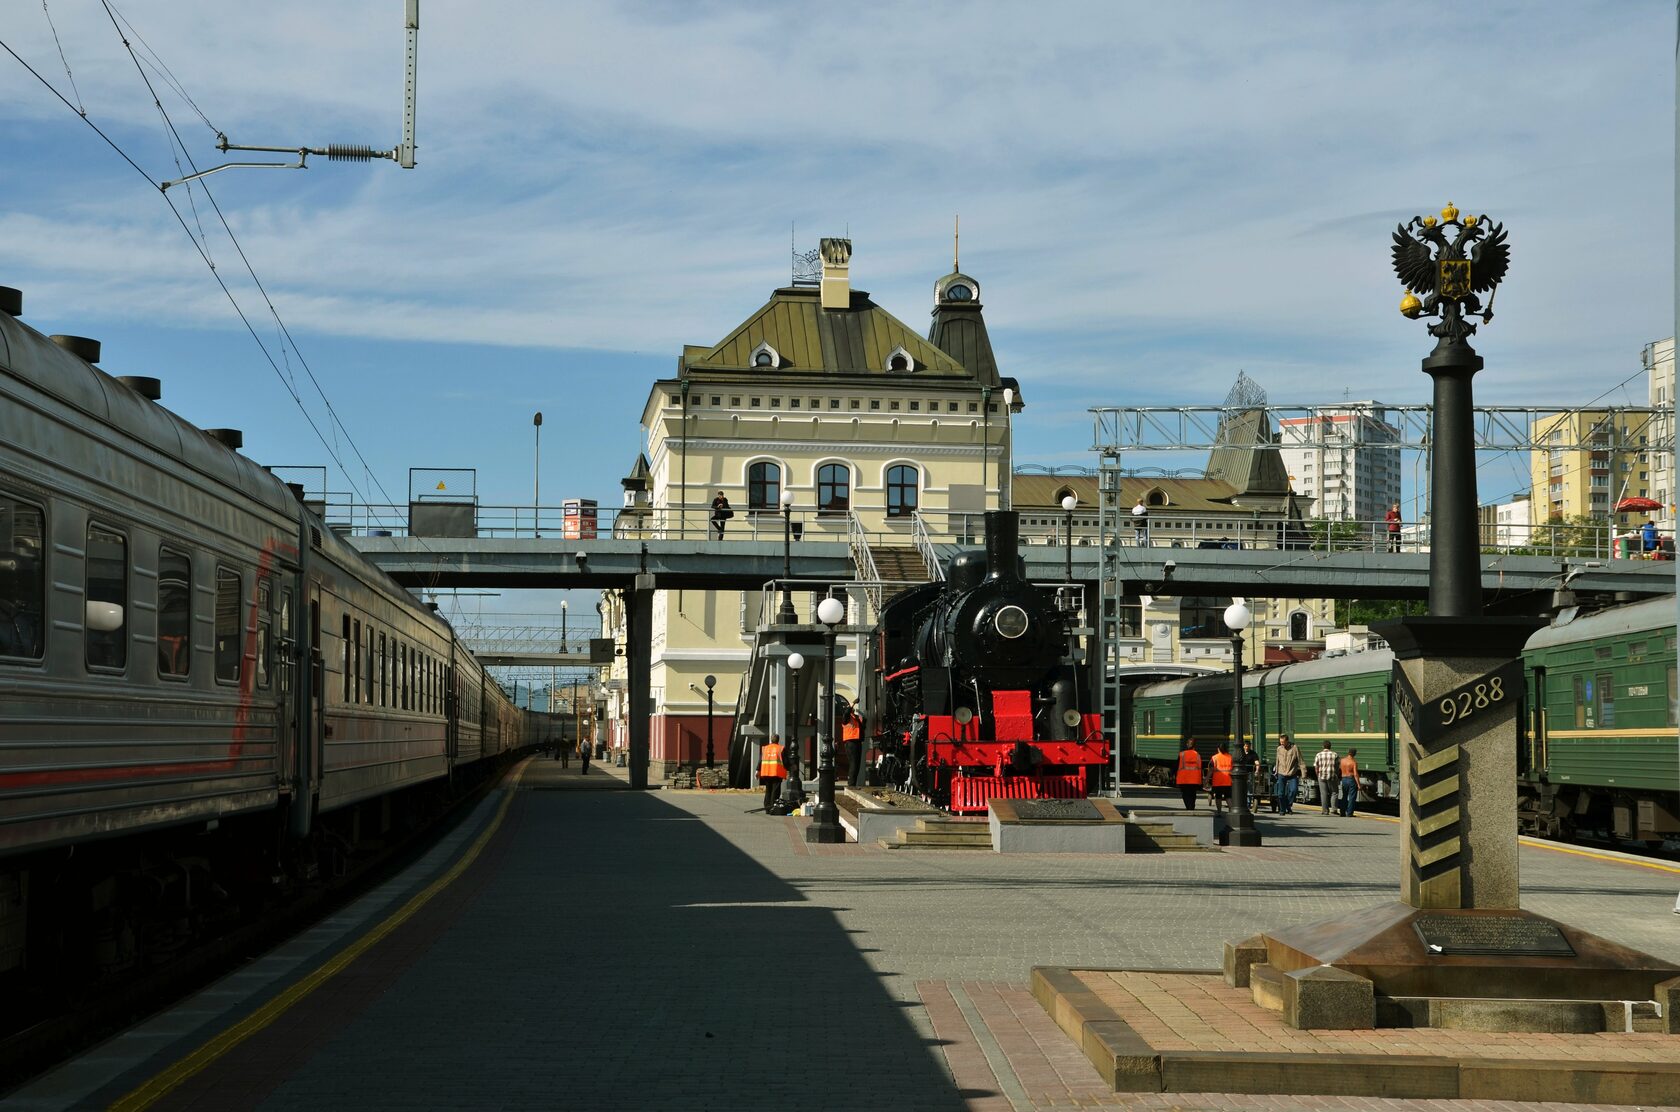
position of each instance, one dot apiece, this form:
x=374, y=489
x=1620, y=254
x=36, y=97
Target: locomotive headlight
x=1011, y=622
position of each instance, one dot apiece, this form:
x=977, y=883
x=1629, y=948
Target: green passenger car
x=1600, y=745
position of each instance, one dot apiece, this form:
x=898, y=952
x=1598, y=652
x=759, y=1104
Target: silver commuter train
x=182, y=641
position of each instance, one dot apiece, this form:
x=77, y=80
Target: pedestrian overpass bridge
x=1516, y=584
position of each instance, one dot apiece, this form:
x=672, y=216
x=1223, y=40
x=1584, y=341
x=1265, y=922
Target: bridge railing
x=1164, y=527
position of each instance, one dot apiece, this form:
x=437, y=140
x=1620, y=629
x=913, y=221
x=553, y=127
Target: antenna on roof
x=402, y=154
x=956, y=245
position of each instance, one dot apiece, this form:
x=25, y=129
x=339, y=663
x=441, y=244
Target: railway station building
x=886, y=436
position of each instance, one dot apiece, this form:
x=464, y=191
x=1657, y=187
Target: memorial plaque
x=1515, y=935
x=1049, y=810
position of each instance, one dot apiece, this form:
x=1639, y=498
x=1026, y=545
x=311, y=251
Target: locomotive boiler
x=983, y=691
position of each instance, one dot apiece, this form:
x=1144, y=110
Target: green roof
x=857, y=340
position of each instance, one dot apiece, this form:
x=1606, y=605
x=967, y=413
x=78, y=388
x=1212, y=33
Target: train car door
x=285, y=648
x=452, y=710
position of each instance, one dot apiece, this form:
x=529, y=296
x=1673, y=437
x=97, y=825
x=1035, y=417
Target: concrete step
x=1160, y=837
x=943, y=834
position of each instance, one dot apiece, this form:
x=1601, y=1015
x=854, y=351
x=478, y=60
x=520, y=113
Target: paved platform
x=680, y=949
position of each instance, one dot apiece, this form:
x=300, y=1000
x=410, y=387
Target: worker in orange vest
x=851, y=735
x=1223, y=762
x=1189, y=773
x=1350, y=784
x=771, y=771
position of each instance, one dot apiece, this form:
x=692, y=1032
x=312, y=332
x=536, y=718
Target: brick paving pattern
x=680, y=949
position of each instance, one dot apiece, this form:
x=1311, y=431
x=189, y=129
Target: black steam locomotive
x=981, y=695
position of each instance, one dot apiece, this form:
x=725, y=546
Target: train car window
x=23, y=579
x=285, y=635
x=344, y=660
x=356, y=663
x=384, y=675
x=227, y=625
x=106, y=627
x=174, y=613
x=367, y=663
x=1606, y=700
x=1578, y=683
x=265, y=642
x=405, y=659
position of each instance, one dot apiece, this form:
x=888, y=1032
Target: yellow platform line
x=182, y=1071
x=1541, y=843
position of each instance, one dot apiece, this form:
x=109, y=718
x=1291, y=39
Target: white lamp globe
x=1238, y=617
x=1008, y=397
x=1069, y=501
x=830, y=611
x=787, y=498
x=796, y=661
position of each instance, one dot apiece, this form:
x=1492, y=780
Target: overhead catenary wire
x=81, y=107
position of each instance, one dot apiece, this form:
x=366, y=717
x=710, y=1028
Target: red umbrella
x=1637, y=505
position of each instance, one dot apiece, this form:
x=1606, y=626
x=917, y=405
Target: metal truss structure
x=1508, y=428
x=1180, y=428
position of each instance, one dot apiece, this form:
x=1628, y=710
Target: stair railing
x=857, y=539
x=924, y=545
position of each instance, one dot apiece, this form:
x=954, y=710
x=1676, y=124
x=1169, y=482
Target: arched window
x=1203, y=617
x=834, y=489
x=1298, y=626
x=764, y=486
x=1156, y=497
x=902, y=486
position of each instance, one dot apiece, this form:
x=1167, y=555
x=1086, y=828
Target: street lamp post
x=1243, y=833
x=1069, y=503
x=786, y=615
x=1006, y=480
x=793, y=792
x=711, y=682
x=562, y=625
x=985, y=440
x=825, y=823
x=536, y=479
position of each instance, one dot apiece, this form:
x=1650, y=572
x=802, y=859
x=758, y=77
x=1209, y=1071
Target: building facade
x=1343, y=457
x=874, y=430
x=1583, y=485
x=1658, y=358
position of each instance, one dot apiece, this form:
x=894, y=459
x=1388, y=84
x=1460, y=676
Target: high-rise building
x=1659, y=368
x=1343, y=458
x=1574, y=485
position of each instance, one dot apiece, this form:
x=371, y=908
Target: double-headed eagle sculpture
x=1447, y=282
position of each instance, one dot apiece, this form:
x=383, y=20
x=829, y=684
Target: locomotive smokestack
x=1003, y=545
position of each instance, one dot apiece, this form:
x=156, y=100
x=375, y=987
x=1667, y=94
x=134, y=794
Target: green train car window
x=23, y=580
x=1606, y=701
x=1673, y=709
x=228, y=656
x=1579, y=685
x=174, y=615
x=106, y=627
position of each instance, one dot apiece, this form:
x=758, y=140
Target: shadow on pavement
x=615, y=959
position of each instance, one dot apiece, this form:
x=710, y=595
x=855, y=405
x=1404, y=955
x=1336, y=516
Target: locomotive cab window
x=107, y=599
x=228, y=598
x=174, y=614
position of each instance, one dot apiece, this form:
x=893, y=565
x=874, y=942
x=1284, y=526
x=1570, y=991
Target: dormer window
x=956, y=291
x=1156, y=497
x=766, y=356
x=900, y=360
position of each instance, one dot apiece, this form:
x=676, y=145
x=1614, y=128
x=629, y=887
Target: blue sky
x=1153, y=196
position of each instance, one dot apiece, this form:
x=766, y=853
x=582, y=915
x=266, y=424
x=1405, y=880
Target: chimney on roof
x=836, y=273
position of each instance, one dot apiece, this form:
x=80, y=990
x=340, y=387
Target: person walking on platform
x=1220, y=782
x=583, y=755
x=1249, y=761
x=1189, y=773
x=1393, y=519
x=562, y=752
x=771, y=771
x=1325, y=765
x=1350, y=784
x=720, y=513
x=1286, y=767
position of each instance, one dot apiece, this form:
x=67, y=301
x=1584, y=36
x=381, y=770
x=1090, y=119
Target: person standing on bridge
x=1189, y=773
x=720, y=513
x=1140, y=523
x=1393, y=519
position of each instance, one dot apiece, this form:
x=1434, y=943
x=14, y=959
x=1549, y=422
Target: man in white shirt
x=1140, y=523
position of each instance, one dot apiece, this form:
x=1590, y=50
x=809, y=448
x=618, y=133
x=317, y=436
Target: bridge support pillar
x=638, y=652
